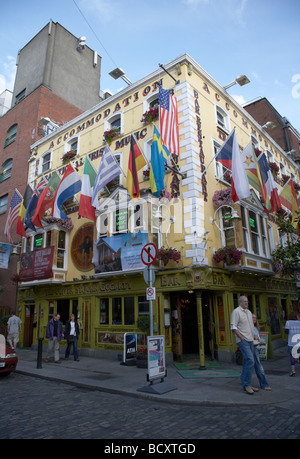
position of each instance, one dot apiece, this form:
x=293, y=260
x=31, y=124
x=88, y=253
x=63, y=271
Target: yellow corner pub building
x=195, y=295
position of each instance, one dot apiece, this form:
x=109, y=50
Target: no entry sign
x=149, y=253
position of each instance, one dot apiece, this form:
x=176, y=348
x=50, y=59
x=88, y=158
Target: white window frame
x=220, y=113
x=108, y=122
x=41, y=164
x=219, y=168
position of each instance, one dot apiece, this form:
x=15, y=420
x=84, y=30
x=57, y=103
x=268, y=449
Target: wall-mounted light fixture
x=234, y=216
x=241, y=80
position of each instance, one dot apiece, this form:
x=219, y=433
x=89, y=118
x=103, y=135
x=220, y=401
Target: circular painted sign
x=82, y=247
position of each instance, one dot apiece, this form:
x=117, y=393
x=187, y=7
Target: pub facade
x=97, y=271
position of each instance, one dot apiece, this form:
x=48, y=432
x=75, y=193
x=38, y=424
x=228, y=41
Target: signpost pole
x=151, y=305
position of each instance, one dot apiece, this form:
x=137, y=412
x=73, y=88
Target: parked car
x=8, y=361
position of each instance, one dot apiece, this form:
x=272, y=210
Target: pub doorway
x=185, y=336
x=28, y=325
x=63, y=308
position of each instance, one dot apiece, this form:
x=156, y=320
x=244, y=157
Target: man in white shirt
x=242, y=327
x=14, y=329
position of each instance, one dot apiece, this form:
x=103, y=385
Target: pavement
x=219, y=386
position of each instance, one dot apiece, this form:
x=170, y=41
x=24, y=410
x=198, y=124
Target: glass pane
x=143, y=305
x=129, y=310
x=117, y=311
x=104, y=311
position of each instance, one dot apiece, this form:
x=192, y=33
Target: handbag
x=71, y=339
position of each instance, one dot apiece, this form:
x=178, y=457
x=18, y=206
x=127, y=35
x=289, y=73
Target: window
x=228, y=227
x=104, y=311
x=20, y=96
x=282, y=169
x=143, y=306
x=264, y=236
x=117, y=311
x=6, y=170
x=45, y=162
x=129, y=310
x=38, y=241
x=245, y=228
x=3, y=204
x=114, y=122
x=61, y=249
x=222, y=119
x=11, y=135
x=254, y=232
x=221, y=172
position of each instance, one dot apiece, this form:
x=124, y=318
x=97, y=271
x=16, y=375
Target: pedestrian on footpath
x=54, y=333
x=243, y=328
x=13, y=330
x=292, y=327
x=72, y=335
x=260, y=373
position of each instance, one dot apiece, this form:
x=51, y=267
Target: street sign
x=150, y=292
x=149, y=253
x=149, y=275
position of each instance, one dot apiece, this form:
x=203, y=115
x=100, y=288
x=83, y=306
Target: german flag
x=135, y=163
x=25, y=201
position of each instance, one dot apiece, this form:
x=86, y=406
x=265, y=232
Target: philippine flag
x=70, y=185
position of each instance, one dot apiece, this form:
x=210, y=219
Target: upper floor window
x=3, y=203
x=114, y=122
x=20, y=96
x=255, y=232
x=6, y=170
x=222, y=119
x=45, y=162
x=11, y=134
x=222, y=173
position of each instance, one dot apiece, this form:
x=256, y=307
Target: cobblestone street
x=36, y=409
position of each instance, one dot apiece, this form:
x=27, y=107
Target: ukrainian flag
x=159, y=156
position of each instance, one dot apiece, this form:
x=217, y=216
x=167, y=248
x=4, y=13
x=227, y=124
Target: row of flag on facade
x=29, y=209
x=249, y=170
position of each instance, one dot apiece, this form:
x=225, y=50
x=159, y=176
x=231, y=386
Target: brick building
x=46, y=95
x=277, y=126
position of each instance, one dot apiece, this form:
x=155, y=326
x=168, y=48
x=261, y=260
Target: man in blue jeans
x=243, y=328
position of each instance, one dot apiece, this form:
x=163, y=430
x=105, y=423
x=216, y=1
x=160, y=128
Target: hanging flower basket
x=166, y=255
x=64, y=223
x=150, y=116
x=222, y=197
x=229, y=255
x=274, y=169
x=67, y=157
x=297, y=187
x=146, y=174
x=110, y=135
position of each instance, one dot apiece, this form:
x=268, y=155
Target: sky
x=227, y=38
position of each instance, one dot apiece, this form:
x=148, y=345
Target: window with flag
x=222, y=173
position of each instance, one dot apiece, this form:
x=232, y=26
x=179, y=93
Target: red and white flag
x=168, y=120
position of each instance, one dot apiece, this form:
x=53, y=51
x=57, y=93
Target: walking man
x=243, y=328
x=54, y=333
x=13, y=330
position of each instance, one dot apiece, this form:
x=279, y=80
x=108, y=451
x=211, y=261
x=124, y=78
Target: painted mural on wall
x=82, y=247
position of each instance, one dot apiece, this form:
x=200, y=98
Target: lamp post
x=241, y=80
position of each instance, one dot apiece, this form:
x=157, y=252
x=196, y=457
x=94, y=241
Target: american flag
x=168, y=120
x=13, y=214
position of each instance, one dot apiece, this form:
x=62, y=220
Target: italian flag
x=85, y=204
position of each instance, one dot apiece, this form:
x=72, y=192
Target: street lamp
x=234, y=215
x=241, y=80
x=119, y=73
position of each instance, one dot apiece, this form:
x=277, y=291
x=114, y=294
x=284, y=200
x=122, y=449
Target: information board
x=263, y=347
x=156, y=357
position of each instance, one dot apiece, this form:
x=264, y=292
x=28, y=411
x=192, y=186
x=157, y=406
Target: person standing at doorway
x=72, y=335
x=243, y=328
x=54, y=333
x=13, y=330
